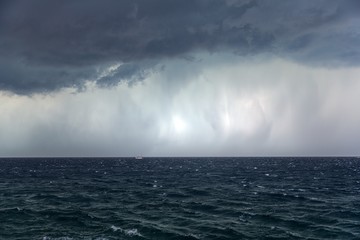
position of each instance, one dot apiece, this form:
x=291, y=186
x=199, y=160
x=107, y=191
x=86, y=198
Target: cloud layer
x=176, y=78
x=45, y=46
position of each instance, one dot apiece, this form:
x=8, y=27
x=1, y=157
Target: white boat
x=138, y=157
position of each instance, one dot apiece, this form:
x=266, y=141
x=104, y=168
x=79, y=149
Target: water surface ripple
x=180, y=198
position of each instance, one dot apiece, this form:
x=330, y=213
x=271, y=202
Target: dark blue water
x=183, y=198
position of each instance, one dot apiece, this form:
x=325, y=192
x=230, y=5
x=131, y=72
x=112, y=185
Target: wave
x=129, y=232
x=68, y=200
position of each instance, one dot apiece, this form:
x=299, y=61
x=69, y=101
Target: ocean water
x=180, y=198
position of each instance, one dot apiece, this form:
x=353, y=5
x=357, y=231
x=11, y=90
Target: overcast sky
x=179, y=78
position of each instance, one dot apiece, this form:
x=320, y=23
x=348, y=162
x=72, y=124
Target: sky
x=90, y=78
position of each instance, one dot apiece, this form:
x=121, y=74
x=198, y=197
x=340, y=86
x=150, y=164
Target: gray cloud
x=48, y=45
x=267, y=107
x=22, y=78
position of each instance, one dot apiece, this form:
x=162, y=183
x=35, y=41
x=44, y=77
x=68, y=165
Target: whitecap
x=196, y=236
x=59, y=238
x=114, y=228
x=129, y=232
x=132, y=232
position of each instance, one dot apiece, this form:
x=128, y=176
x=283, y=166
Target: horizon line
x=143, y=157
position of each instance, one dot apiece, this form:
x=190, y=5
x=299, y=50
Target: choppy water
x=183, y=198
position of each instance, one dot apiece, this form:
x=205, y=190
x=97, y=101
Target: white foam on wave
x=114, y=228
x=58, y=238
x=132, y=232
x=70, y=238
x=196, y=236
x=129, y=232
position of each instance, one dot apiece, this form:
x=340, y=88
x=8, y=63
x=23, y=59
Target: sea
x=179, y=198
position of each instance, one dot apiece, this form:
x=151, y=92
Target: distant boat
x=138, y=157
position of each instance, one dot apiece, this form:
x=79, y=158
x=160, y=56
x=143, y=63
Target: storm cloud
x=49, y=45
x=179, y=77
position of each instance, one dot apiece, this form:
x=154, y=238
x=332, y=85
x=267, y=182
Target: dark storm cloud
x=47, y=45
x=21, y=78
x=89, y=32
